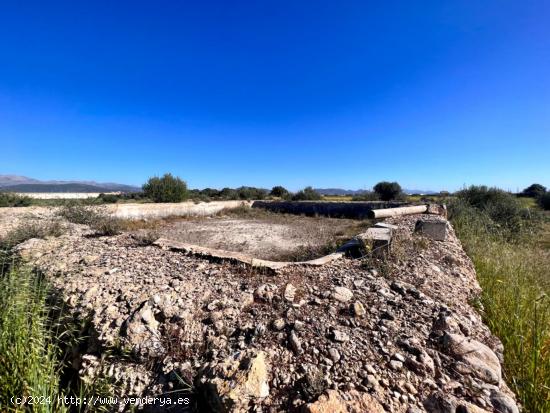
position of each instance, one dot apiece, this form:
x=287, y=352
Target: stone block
x=436, y=230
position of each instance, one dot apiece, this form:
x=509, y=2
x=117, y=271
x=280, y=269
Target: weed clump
x=8, y=199
x=31, y=229
x=95, y=217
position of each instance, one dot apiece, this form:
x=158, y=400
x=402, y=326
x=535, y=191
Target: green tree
x=544, y=201
x=279, y=191
x=387, y=190
x=307, y=194
x=165, y=189
x=534, y=191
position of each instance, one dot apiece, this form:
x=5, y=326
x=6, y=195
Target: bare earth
x=264, y=235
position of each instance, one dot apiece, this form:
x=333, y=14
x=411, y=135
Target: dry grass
x=515, y=278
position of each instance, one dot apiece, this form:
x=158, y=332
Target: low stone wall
x=181, y=209
x=336, y=209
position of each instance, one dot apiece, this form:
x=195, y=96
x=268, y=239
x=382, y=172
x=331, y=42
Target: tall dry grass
x=513, y=268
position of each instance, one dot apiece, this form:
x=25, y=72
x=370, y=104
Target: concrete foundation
x=356, y=210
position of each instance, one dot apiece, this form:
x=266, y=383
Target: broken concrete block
x=385, y=225
x=377, y=239
x=437, y=209
x=436, y=230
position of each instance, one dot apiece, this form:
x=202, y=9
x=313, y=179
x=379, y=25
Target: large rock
x=236, y=382
x=475, y=355
x=336, y=402
x=342, y=294
x=502, y=403
x=140, y=332
x=439, y=402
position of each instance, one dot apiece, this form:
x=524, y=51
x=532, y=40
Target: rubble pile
x=390, y=334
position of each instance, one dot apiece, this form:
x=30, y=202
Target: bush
x=387, y=190
x=279, y=191
x=77, y=213
x=501, y=210
x=165, y=189
x=534, y=191
x=8, y=199
x=107, y=198
x=96, y=218
x=249, y=192
x=544, y=201
x=31, y=229
x=229, y=193
x=106, y=225
x=307, y=194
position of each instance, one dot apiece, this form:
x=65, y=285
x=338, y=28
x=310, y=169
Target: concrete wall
x=335, y=209
x=63, y=195
x=181, y=209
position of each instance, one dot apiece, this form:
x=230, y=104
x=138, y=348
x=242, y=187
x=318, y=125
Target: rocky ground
x=356, y=335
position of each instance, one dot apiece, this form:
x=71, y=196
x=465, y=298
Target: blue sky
x=435, y=95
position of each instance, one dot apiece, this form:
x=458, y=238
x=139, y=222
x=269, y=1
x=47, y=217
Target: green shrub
x=31, y=229
x=8, y=199
x=544, y=201
x=502, y=211
x=96, y=217
x=108, y=198
x=107, y=226
x=307, y=194
x=77, y=213
x=249, y=192
x=387, y=190
x=165, y=189
x=229, y=193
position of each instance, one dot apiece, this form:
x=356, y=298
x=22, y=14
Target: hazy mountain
x=16, y=183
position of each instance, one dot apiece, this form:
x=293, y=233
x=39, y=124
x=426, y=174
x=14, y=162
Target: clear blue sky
x=433, y=94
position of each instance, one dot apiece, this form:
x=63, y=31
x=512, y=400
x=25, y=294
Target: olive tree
x=167, y=188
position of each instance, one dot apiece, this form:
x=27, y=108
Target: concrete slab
x=239, y=257
x=385, y=225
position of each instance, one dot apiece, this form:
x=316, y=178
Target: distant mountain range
x=351, y=192
x=17, y=183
